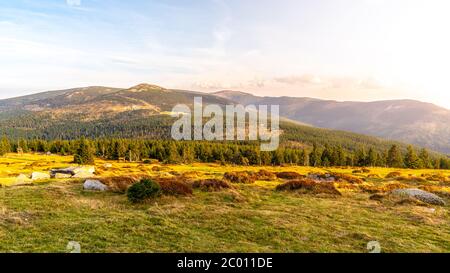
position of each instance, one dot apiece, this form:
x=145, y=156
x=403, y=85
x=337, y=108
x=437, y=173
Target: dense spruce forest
x=238, y=153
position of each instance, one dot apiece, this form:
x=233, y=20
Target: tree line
x=238, y=153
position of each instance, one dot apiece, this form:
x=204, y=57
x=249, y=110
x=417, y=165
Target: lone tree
x=84, y=154
x=411, y=159
x=394, y=159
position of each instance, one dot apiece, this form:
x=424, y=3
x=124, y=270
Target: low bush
x=441, y=191
x=393, y=174
x=191, y=175
x=150, y=161
x=211, y=185
x=240, y=177
x=411, y=179
x=388, y=187
x=296, y=185
x=289, y=175
x=309, y=185
x=171, y=186
x=342, y=177
x=435, y=177
x=143, y=190
x=119, y=184
x=265, y=175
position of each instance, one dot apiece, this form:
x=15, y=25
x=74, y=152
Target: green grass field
x=44, y=216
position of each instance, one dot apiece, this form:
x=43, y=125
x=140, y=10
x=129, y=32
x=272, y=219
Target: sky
x=359, y=50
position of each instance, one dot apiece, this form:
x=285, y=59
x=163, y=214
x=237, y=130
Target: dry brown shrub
x=119, y=184
x=341, y=177
x=377, y=196
x=172, y=186
x=410, y=179
x=161, y=169
x=441, y=191
x=346, y=186
x=357, y=171
x=211, y=185
x=265, y=175
x=388, y=187
x=191, y=175
x=296, y=185
x=373, y=176
x=435, y=177
x=289, y=175
x=327, y=188
x=309, y=186
x=365, y=170
x=393, y=174
x=240, y=177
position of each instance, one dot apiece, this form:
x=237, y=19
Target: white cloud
x=73, y=3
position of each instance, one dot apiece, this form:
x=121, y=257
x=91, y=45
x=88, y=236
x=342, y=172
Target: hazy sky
x=334, y=49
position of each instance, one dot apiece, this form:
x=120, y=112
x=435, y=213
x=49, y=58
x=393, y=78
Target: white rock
x=421, y=195
x=94, y=185
x=22, y=178
x=107, y=165
x=62, y=175
x=39, y=176
x=84, y=171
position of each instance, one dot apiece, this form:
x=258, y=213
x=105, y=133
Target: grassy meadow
x=43, y=216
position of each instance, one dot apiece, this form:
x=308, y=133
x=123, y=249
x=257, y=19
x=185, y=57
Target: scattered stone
x=76, y=172
x=94, y=185
x=22, y=178
x=420, y=195
x=39, y=176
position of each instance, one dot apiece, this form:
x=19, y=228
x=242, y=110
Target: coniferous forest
x=237, y=153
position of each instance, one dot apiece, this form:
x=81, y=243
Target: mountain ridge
x=144, y=101
x=412, y=121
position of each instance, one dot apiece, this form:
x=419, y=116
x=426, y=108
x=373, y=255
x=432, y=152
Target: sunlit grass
x=250, y=218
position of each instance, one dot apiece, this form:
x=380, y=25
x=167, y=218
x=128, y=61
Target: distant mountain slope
x=411, y=121
x=141, y=111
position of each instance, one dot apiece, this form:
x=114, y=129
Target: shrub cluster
x=144, y=189
x=212, y=185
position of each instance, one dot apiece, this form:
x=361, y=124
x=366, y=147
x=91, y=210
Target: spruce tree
x=84, y=154
x=424, y=158
x=394, y=159
x=411, y=159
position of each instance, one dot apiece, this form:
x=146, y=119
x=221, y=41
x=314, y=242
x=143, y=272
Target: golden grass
x=248, y=218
